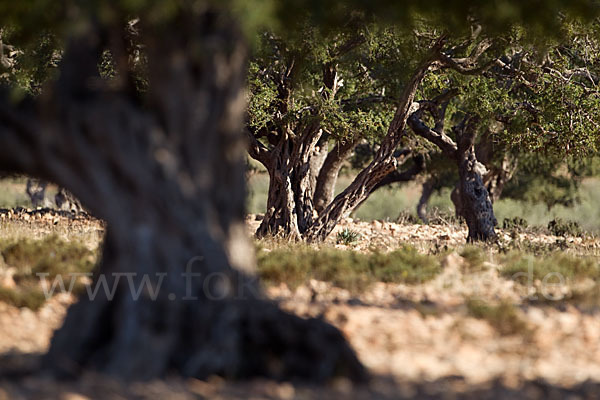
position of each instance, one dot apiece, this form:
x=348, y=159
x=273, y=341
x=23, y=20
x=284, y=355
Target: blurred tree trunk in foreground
x=165, y=170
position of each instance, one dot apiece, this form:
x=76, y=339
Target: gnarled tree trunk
x=499, y=170
x=472, y=198
x=290, y=208
x=168, y=178
x=328, y=173
x=382, y=164
x=475, y=200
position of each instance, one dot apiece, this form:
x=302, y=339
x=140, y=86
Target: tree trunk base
x=201, y=320
x=233, y=339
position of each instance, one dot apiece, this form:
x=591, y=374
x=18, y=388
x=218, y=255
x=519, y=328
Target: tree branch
x=256, y=149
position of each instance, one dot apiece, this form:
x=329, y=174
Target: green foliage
x=559, y=227
x=49, y=255
x=551, y=266
x=287, y=91
x=544, y=179
x=348, y=237
x=514, y=224
x=346, y=269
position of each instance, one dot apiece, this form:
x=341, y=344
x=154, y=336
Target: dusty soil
x=418, y=341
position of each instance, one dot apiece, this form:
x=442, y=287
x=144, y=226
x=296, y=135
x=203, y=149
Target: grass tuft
x=521, y=267
x=343, y=268
x=348, y=237
x=515, y=224
x=50, y=255
x=559, y=227
x=474, y=256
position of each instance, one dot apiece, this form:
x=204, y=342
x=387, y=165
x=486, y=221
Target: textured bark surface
x=475, y=200
x=471, y=200
x=290, y=208
x=499, y=169
x=328, y=174
x=167, y=176
x=409, y=174
x=316, y=162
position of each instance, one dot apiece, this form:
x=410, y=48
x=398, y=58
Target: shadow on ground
x=21, y=378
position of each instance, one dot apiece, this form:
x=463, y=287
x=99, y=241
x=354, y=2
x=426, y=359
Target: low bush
x=515, y=223
x=559, y=227
x=351, y=270
x=50, y=255
x=522, y=267
x=347, y=237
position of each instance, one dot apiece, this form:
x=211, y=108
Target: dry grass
x=297, y=264
x=503, y=317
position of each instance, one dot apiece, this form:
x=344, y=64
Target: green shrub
x=344, y=268
x=559, y=227
x=516, y=264
x=347, y=237
x=50, y=255
x=515, y=223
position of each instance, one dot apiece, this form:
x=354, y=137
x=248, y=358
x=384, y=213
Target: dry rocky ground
x=418, y=341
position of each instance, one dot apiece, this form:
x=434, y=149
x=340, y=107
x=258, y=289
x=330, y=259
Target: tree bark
x=168, y=178
x=383, y=163
x=499, y=170
x=405, y=176
x=472, y=199
x=475, y=200
x=316, y=161
x=328, y=174
x=426, y=191
x=290, y=208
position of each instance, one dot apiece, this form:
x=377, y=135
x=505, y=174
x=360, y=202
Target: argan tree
x=313, y=99
x=156, y=149
x=502, y=97
x=294, y=126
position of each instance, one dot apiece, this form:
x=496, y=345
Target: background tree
x=437, y=53
x=313, y=98
x=509, y=90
